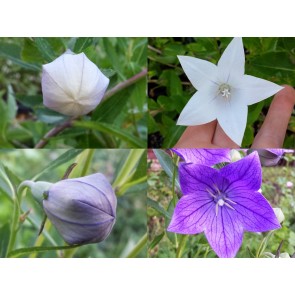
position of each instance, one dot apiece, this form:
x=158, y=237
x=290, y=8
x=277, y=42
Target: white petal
x=198, y=71
x=67, y=72
x=232, y=117
x=252, y=90
x=232, y=61
x=200, y=109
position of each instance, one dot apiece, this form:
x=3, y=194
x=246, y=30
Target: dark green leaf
x=4, y=239
x=131, y=140
x=155, y=205
x=156, y=241
x=82, y=43
x=12, y=52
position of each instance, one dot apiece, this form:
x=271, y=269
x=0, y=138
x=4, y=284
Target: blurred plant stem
x=58, y=129
x=128, y=168
x=14, y=225
x=21, y=251
x=138, y=247
x=263, y=244
x=181, y=246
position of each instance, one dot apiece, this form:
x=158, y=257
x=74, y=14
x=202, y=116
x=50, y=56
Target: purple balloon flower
x=83, y=210
x=208, y=157
x=223, y=204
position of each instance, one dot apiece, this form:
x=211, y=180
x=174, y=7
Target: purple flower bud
x=83, y=210
x=271, y=157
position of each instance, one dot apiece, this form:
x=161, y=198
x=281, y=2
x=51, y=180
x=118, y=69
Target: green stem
x=87, y=162
x=138, y=247
x=181, y=246
x=14, y=226
x=21, y=251
x=128, y=168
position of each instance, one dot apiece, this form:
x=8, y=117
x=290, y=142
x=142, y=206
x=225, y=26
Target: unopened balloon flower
x=72, y=84
x=83, y=210
x=223, y=204
x=224, y=91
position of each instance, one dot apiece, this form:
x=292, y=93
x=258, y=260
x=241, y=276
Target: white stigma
x=224, y=90
x=220, y=199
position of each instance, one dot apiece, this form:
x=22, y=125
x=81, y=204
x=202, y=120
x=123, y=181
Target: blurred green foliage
x=50, y=165
x=25, y=120
x=169, y=89
x=160, y=208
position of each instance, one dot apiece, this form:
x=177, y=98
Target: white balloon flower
x=72, y=84
x=224, y=91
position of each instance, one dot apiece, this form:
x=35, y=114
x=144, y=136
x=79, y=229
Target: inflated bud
x=279, y=214
x=83, y=210
x=72, y=84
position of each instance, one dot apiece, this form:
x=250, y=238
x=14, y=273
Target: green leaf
x=155, y=205
x=4, y=239
x=172, y=136
x=156, y=241
x=131, y=140
x=29, y=100
x=82, y=43
x=64, y=158
x=45, y=49
x=13, y=52
x=11, y=104
x=49, y=116
x=170, y=79
x=167, y=164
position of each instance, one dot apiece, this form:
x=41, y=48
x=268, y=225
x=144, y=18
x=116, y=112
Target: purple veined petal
x=208, y=157
x=74, y=233
x=252, y=90
x=201, y=108
x=232, y=117
x=232, y=61
x=191, y=213
x=253, y=211
x=245, y=174
x=195, y=178
x=198, y=71
x=224, y=233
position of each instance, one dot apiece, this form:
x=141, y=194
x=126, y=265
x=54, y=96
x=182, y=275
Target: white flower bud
x=279, y=214
x=72, y=84
x=235, y=155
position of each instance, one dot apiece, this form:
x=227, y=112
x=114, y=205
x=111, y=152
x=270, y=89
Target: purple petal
x=253, y=211
x=245, y=172
x=223, y=233
x=207, y=157
x=196, y=178
x=191, y=213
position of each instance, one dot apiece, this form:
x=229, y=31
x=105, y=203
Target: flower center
x=220, y=199
x=224, y=90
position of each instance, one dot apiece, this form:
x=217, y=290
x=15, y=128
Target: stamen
x=229, y=200
x=224, y=90
x=211, y=194
x=229, y=206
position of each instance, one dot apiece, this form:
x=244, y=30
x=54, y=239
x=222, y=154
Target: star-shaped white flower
x=224, y=91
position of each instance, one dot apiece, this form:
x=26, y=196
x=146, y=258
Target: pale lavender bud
x=83, y=210
x=72, y=84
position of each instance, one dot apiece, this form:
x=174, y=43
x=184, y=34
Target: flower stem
x=14, y=226
x=58, y=129
x=21, y=251
x=138, y=247
x=181, y=246
x=87, y=162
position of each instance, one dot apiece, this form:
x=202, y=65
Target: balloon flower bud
x=83, y=210
x=279, y=214
x=72, y=84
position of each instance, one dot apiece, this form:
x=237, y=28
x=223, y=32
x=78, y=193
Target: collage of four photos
x=159, y=147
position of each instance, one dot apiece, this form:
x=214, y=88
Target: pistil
x=224, y=90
